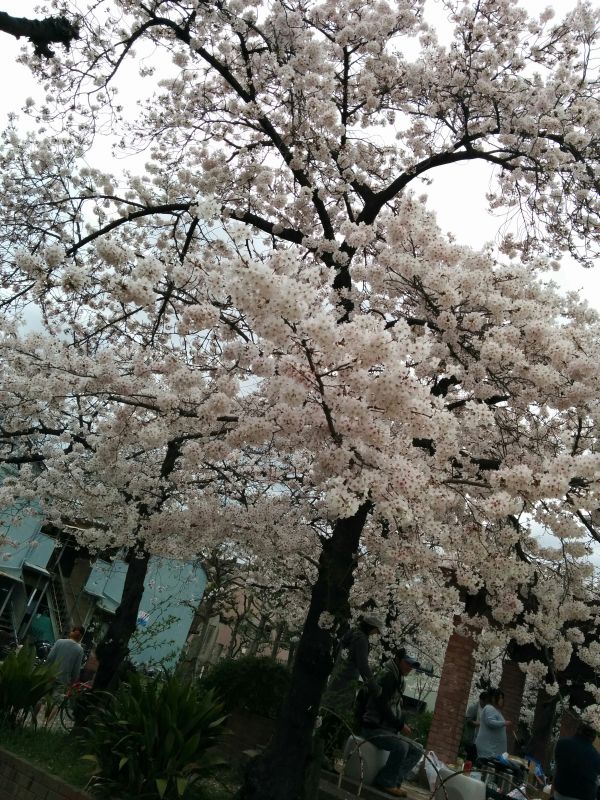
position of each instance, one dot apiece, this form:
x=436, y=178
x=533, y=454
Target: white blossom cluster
x=265, y=339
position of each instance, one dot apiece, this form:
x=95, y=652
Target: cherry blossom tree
x=266, y=339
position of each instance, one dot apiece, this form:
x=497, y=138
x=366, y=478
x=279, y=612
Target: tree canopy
x=265, y=338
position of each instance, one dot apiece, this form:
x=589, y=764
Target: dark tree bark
x=281, y=770
x=40, y=32
x=112, y=650
x=541, y=730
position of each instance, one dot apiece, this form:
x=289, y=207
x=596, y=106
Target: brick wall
x=512, y=684
x=20, y=780
x=453, y=695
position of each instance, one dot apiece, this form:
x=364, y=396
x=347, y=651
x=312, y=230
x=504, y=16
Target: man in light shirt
x=67, y=654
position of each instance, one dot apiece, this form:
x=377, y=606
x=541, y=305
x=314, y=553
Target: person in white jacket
x=491, y=739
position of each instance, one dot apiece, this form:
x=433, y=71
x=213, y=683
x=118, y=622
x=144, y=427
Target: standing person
x=351, y=666
x=577, y=766
x=381, y=725
x=491, y=739
x=67, y=656
x=472, y=720
x=353, y=663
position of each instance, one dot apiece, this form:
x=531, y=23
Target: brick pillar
x=568, y=723
x=452, y=698
x=512, y=684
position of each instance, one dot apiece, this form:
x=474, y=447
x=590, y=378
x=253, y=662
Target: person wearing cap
x=577, y=766
x=381, y=726
x=351, y=667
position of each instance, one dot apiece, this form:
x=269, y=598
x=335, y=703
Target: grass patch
x=60, y=753
x=55, y=751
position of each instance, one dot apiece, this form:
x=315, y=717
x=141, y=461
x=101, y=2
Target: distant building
x=47, y=586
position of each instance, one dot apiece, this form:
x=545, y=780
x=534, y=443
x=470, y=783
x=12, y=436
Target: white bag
x=519, y=793
x=432, y=768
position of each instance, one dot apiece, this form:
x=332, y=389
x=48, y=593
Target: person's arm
x=51, y=657
x=76, y=667
x=360, y=656
x=493, y=718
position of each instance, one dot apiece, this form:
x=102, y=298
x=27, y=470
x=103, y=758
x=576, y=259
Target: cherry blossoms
x=264, y=339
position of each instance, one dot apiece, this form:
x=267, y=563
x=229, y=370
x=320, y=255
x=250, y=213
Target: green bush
x=23, y=684
x=420, y=724
x=252, y=683
x=150, y=739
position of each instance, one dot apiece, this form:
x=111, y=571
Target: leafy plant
x=150, y=739
x=420, y=724
x=253, y=683
x=23, y=685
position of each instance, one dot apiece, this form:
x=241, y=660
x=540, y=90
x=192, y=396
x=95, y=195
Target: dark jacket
x=353, y=663
x=577, y=768
x=379, y=711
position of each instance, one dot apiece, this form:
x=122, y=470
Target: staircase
x=58, y=607
x=7, y=624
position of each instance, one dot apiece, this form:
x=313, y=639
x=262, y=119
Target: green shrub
x=420, y=724
x=252, y=683
x=23, y=684
x=150, y=739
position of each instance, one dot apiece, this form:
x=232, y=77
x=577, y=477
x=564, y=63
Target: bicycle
x=66, y=710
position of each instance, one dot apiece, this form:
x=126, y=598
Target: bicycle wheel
x=65, y=715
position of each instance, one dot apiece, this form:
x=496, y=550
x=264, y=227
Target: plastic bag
x=519, y=793
x=433, y=765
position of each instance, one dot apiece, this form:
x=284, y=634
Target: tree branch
x=40, y=32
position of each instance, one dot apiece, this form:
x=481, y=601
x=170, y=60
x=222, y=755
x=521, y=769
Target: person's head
x=371, y=623
x=76, y=634
x=496, y=697
x=586, y=732
x=483, y=698
x=405, y=662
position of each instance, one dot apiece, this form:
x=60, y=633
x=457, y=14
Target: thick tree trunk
x=541, y=730
x=279, y=773
x=112, y=650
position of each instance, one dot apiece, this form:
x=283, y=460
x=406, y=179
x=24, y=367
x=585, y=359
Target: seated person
x=577, y=766
x=381, y=726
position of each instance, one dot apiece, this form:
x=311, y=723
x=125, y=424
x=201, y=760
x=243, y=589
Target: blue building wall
x=173, y=590
x=23, y=545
